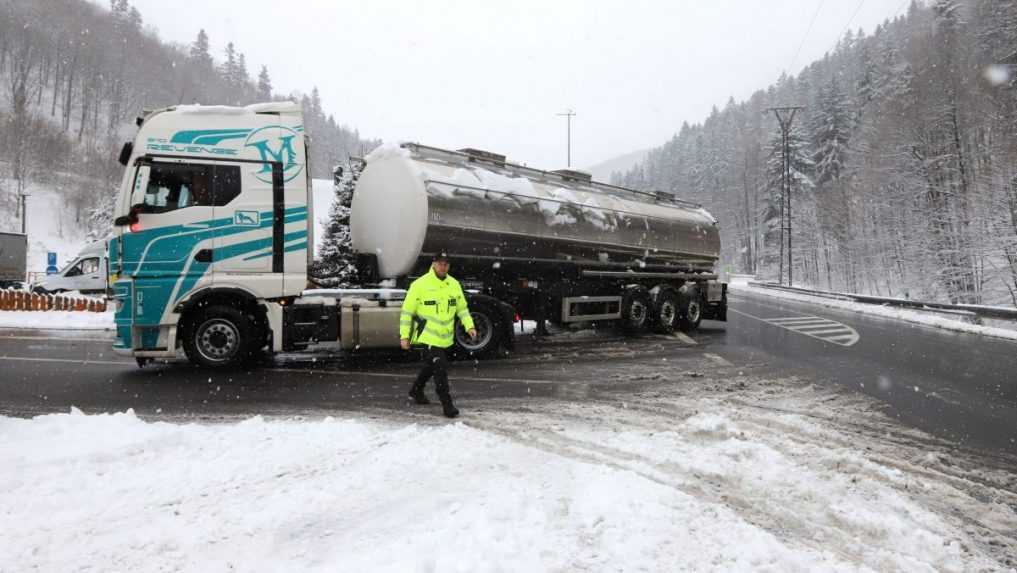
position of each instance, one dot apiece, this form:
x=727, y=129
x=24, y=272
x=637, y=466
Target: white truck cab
x=86, y=273
x=211, y=230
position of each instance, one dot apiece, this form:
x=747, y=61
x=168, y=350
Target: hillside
x=605, y=170
x=74, y=86
x=902, y=160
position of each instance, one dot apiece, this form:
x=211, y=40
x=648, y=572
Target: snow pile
x=906, y=314
x=57, y=320
x=113, y=492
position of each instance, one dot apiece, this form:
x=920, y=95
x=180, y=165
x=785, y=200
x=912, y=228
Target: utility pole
x=785, y=116
x=24, y=211
x=568, y=116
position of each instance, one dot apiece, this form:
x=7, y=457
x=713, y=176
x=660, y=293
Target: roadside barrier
x=11, y=299
x=978, y=311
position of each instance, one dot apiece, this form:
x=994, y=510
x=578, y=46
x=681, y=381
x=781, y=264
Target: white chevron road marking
x=813, y=326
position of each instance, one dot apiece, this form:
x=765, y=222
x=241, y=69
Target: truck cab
x=211, y=232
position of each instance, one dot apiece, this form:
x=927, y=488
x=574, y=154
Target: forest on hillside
x=904, y=161
x=73, y=77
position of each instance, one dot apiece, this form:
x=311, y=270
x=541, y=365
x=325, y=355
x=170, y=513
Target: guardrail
x=975, y=309
x=11, y=299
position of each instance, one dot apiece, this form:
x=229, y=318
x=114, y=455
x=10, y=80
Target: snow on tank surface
x=397, y=194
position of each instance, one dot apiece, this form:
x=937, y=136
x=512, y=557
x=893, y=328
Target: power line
x=851, y=19
x=790, y=68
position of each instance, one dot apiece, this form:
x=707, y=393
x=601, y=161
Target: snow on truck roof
x=275, y=107
x=472, y=172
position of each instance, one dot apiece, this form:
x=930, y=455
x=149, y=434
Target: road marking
x=797, y=321
x=812, y=326
x=685, y=338
x=63, y=360
x=718, y=359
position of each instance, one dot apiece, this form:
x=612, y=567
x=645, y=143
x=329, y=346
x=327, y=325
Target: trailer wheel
x=220, y=336
x=489, y=334
x=665, y=311
x=690, y=310
x=636, y=307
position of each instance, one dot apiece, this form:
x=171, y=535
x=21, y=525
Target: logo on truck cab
x=275, y=144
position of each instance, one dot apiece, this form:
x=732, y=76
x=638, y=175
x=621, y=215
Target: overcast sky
x=494, y=75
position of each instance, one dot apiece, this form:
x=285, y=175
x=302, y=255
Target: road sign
x=51, y=263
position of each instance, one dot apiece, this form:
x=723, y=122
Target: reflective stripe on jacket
x=430, y=311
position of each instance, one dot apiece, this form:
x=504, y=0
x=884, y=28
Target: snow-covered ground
x=51, y=227
x=682, y=476
x=56, y=320
x=995, y=328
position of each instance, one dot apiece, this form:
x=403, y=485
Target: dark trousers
x=435, y=364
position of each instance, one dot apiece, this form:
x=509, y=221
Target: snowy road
x=746, y=446
x=958, y=385
x=679, y=464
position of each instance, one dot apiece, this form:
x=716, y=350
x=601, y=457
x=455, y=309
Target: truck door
x=161, y=251
x=246, y=254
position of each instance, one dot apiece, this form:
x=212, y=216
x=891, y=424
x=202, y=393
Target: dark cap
x=440, y=255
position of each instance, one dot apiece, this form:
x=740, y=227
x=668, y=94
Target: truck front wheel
x=220, y=336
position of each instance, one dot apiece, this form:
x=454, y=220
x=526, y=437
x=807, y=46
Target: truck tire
x=221, y=336
x=690, y=309
x=665, y=311
x=489, y=327
x=636, y=308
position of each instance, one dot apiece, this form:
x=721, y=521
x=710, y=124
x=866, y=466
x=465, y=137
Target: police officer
x=432, y=305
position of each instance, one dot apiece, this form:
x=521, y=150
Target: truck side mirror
x=125, y=153
x=131, y=217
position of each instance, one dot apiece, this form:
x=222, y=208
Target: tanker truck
x=214, y=238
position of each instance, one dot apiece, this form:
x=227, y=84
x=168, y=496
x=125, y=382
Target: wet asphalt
x=959, y=386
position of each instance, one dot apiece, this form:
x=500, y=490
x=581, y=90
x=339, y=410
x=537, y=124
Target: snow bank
x=906, y=314
x=56, y=320
x=113, y=492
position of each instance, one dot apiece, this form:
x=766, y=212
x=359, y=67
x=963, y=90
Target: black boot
x=417, y=393
x=448, y=408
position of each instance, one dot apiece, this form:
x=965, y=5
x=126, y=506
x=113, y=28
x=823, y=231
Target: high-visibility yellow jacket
x=430, y=311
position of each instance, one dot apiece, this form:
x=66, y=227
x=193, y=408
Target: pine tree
x=229, y=69
x=200, y=54
x=335, y=265
x=264, y=85
x=832, y=128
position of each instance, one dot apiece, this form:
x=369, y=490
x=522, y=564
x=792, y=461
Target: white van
x=86, y=273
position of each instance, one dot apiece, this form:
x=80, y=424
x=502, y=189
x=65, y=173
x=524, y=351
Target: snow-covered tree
x=335, y=265
x=99, y=221
x=264, y=90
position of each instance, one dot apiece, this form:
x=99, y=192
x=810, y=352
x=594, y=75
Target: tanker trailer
x=553, y=245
